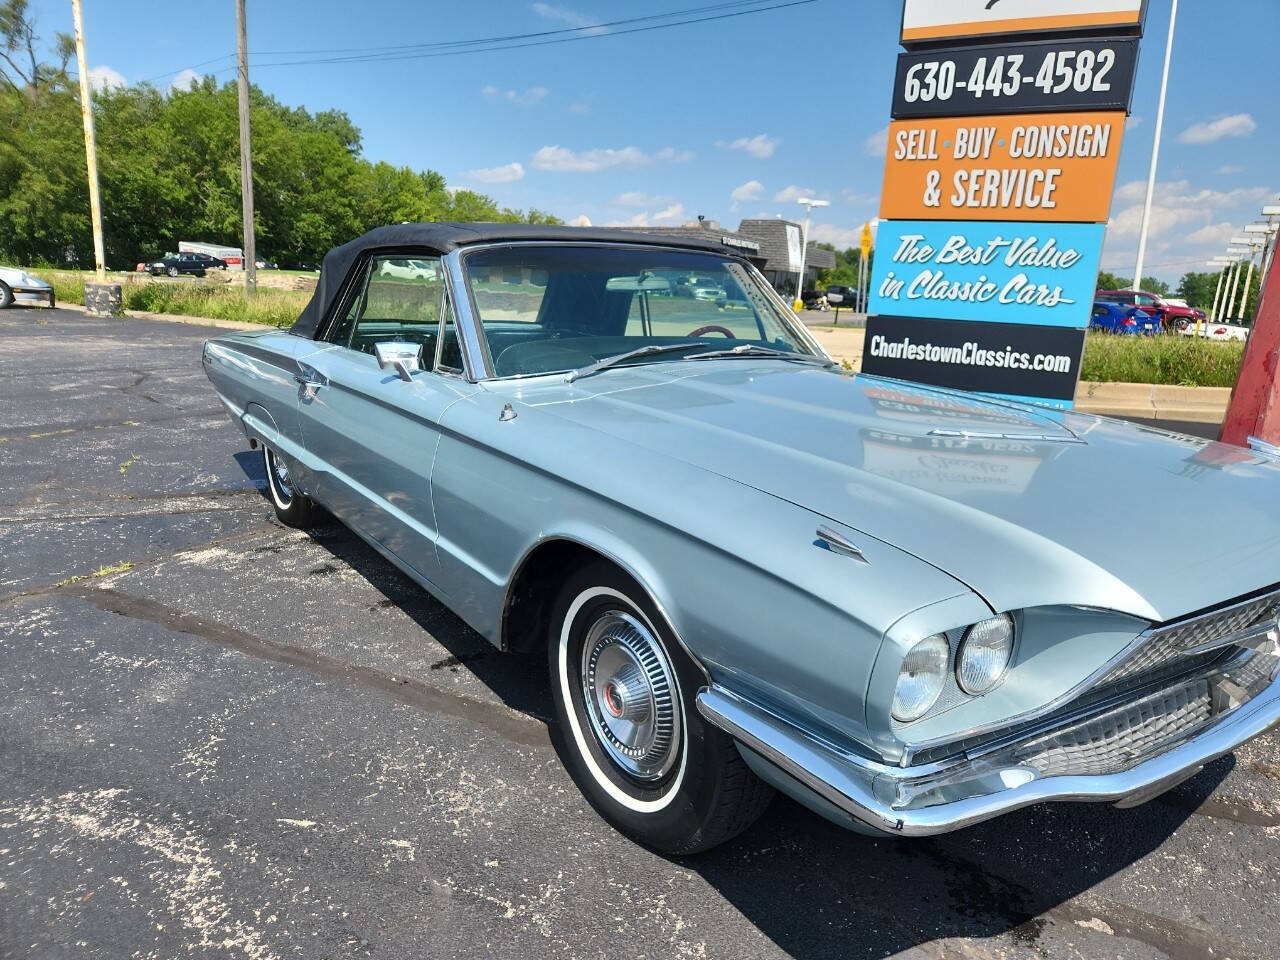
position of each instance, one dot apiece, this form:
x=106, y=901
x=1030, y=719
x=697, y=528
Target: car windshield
x=549, y=309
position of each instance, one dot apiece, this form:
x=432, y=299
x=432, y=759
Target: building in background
x=774, y=246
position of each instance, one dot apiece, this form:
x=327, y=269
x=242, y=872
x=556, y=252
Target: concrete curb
x=178, y=318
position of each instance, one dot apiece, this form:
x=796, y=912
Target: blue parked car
x=1117, y=318
x=748, y=569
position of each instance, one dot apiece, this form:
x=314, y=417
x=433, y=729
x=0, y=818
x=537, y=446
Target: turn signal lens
x=921, y=679
x=985, y=654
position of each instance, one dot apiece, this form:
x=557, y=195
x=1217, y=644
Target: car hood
x=1028, y=506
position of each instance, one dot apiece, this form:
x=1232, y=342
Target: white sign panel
x=930, y=20
x=793, y=248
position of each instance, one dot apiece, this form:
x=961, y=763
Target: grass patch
x=212, y=299
x=100, y=572
x=1168, y=359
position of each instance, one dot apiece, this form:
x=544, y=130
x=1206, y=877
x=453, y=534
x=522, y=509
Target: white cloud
x=792, y=193
x=842, y=238
x=569, y=16
x=760, y=146
x=1133, y=123
x=522, y=98
x=635, y=198
x=673, y=212
x=1235, y=125
x=507, y=173
x=579, y=108
x=877, y=145
x=1229, y=169
x=564, y=160
x=1213, y=235
x=746, y=193
x=103, y=78
x=185, y=80
x=639, y=220
x=581, y=220
x=1187, y=224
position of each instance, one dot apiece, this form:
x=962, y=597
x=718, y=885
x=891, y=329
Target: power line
x=581, y=28
x=537, y=43
x=687, y=17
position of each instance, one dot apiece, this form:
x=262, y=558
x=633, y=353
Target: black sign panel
x=1017, y=359
x=1046, y=77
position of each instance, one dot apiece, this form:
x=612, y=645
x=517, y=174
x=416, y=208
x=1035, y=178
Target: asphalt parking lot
x=220, y=737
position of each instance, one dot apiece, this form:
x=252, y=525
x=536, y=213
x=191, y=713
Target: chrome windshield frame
x=479, y=363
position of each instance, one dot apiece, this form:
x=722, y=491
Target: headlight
x=921, y=679
x=984, y=654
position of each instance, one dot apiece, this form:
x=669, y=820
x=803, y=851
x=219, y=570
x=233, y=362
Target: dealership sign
x=1032, y=167
x=1066, y=75
x=1036, y=274
x=1009, y=359
x=935, y=20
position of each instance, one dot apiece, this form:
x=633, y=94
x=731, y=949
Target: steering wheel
x=710, y=328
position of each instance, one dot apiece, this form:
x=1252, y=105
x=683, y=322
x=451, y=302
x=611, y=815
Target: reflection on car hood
x=1027, y=506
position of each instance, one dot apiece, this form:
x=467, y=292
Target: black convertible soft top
x=441, y=238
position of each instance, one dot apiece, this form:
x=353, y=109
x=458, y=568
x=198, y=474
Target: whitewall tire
x=630, y=734
x=293, y=508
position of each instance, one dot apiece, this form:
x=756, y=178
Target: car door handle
x=310, y=377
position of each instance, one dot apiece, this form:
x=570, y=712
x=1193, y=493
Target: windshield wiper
x=754, y=350
x=607, y=362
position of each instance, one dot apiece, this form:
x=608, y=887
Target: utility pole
x=90, y=143
x=246, y=157
x=1155, y=152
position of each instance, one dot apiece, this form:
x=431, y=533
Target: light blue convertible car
x=908, y=608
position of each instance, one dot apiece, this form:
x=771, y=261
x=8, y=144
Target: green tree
x=169, y=166
x=1109, y=281
x=1199, y=289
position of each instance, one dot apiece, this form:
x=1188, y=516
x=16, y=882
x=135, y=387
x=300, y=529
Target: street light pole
x=1217, y=296
x=90, y=143
x=1235, y=278
x=246, y=157
x=809, y=204
x=1155, y=152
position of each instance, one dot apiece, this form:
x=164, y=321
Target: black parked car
x=175, y=264
x=839, y=295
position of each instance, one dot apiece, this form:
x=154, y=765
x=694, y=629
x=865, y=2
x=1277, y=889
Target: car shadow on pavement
x=817, y=890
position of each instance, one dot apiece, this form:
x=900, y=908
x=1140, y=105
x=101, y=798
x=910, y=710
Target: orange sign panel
x=1052, y=167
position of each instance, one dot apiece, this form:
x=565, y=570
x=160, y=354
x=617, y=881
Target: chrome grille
x=1122, y=738
x=1163, y=645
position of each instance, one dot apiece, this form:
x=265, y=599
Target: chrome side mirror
x=402, y=357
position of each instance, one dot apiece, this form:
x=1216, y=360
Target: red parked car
x=1173, y=316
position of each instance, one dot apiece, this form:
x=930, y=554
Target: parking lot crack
x=511, y=725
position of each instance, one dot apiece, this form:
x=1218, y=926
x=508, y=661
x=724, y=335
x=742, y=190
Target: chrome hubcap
x=280, y=476
x=629, y=690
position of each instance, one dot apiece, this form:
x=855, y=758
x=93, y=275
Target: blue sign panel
x=1042, y=274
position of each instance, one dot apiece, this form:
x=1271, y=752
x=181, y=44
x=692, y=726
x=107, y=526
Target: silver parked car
x=908, y=608
x=19, y=286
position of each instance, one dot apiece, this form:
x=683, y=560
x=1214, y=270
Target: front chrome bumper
x=29, y=294
x=926, y=800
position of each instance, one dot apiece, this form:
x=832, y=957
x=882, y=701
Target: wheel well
x=526, y=616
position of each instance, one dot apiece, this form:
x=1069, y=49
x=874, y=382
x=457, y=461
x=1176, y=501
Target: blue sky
x=731, y=118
